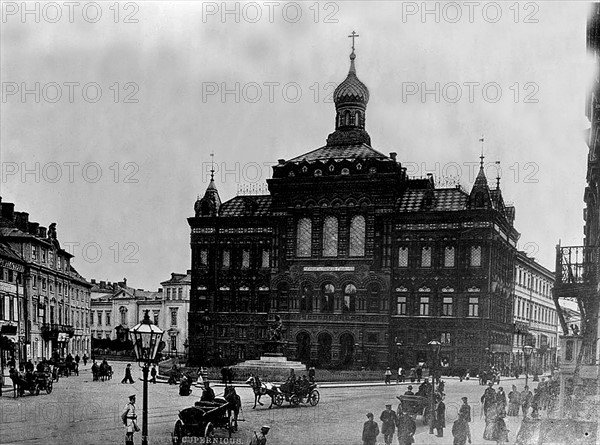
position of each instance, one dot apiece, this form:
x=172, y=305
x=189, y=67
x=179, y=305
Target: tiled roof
x=450, y=199
x=257, y=205
x=362, y=151
x=7, y=252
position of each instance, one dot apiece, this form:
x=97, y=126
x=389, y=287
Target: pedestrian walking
x=370, y=431
x=388, y=424
x=465, y=410
x=406, y=428
x=419, y=373
x=311, y=374
x=129, y=418
x=95, y=371
x=461, y=431
x=400, y=376
x=85, y=359
x=153, y=373
x=439, y=420
x=127, y=378
x=526, y=399
x=500, y=431
x=501, y=400
x=388, y=375
x=260, y=438
x=488, y=398
x=514, y=402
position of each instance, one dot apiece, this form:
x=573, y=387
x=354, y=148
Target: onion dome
x=351, y=89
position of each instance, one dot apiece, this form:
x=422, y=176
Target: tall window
x=34, y=253
x=447, y=306
x=327, y=298
x=303, y=237
x=357, y=236
x=123, y=311
x=173, y=316
x=306, y=302
x=449, y=256
x=424, y=306
x=180, y=293
x=475, y=259
x=330, y=236
x=266, y=259
x=226, y=259
x=349, y=298
x=426, y=257
x=245, y=259
x=108, y=319
x=203, y=257
x=401, y=305
x=403, y=257
x=99, y=318
x=156, y=314
x=473, y=307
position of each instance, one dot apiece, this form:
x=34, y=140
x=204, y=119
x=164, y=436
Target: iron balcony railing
x=577, y=265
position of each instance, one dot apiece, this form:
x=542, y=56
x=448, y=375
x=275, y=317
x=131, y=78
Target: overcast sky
x=119, y=169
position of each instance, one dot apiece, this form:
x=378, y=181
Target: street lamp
x=527, y=350
x=147, y=342
x=434, y=346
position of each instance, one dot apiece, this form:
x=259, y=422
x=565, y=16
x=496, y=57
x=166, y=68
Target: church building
x=363, y=264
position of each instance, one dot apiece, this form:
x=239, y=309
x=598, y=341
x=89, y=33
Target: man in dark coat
x=127, y=378
x=208, y=395
x=95, y=370
x=388, y=424
x=501, y=400
x=465, y=410
x=526, y=399
x=439, y=420
x=409, y=391
x=406, y=429
x=488, y=398
x=370, y=431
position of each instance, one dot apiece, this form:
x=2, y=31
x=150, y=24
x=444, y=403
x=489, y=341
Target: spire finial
x=497, y=175
x=482, y=157
x=353, y=36
x=212, y=165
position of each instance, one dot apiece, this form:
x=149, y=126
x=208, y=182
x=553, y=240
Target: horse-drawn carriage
x=202, y=419
x=296, y=394
x=34, y=382
x=416, y=405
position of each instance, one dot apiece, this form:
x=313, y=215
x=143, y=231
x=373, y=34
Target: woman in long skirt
x=514, y=402
x=500, y=431
x=490, y=422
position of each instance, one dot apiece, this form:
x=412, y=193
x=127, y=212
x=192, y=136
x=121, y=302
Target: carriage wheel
x=209, y=430
x=314, y=397
x=49, y=387
x=278, y=399
x=295, y=400
x=177, y=433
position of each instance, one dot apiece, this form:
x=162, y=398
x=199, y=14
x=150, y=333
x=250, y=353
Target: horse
x=234, y=404
x=260, y=389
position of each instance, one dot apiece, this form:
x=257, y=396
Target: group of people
x=391, y=421
x=295, y=384
x=103, y=371
x=414, y=374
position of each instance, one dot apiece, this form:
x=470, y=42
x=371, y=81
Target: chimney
x=103, y=284
x=393, y=155
x=160, y=290
x=8, y=211
x=93, y=281
x=22, y=220
x=124, y=282
x=33, y=228
x=281, y=161
x=42, y=232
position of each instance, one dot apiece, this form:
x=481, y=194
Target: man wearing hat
x=409, y=391
x=261, y=438
x=370, y=431
x=129, y=420
x=388, y=424
x=465, y=410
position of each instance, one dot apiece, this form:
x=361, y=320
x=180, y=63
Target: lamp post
x=434, y=346
x=527, y=352
x=146, y=344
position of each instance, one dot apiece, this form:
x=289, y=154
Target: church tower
x=211, y=202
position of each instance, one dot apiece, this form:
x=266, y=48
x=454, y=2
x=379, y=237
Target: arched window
x=357, y=236
x=347, y=118
x=349, y=298
x=306, y=300
x=373, y=296
x=330, y=236
x=327, y=292
x=303, y=237
x=358, y=119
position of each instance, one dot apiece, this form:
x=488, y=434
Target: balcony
x=51, y=331
x=577, y=271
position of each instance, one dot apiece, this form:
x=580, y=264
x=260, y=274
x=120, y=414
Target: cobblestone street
x=80, y=411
